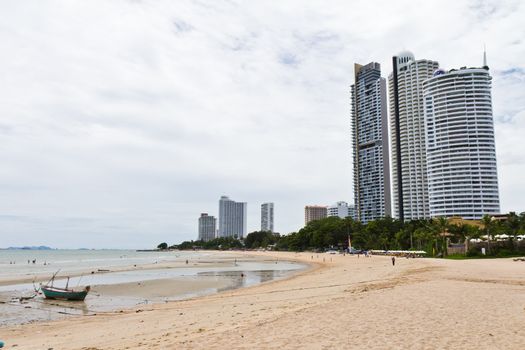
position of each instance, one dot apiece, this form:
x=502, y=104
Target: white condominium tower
x=370, y=143
x=232, y=218
x=461, y=153
x=267, y=217
x=407, y=130
x=207, y=227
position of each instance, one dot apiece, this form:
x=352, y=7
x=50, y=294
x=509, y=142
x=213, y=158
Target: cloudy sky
x=121, y=121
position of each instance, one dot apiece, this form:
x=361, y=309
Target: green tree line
x=387, y=233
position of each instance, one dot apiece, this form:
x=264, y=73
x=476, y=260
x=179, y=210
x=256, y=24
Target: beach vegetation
x=220, y=243
x=260, y=239
x=435, y=236
x=431, y=235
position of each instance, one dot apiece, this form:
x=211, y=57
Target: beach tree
x=163, y=246
x=488, y=226
x=440, y=227
x=423, y=238
x=521, y=230
x=381, y=233
x=287, y=242
x=258, y=239
x=403, y=238
x=459, y=232
x=355, y=230
x=512, y=224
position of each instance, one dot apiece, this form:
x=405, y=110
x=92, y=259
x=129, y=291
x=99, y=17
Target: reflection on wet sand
x=245, y=278
x=154, y=287
x=67, y=307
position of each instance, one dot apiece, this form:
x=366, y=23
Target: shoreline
x=220, y=259
x=341, y=302
x=130, y=286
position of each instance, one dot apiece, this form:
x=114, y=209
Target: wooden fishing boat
x=52, y=292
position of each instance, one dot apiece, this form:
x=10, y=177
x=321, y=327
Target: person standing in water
x=393, y=261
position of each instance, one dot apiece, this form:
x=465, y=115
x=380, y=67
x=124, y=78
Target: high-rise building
x=352, y=212
x=340, y=209
x=232, y=218
x=370, y=143
x=207, y=227
x=407, y=130
x=461, y=152
x=267, y=217
x=314, y=212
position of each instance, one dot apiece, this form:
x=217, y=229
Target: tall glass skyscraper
x=407, y=130
x=232, y=218
x=370, y=143
x=461, y=152
x=267, y=217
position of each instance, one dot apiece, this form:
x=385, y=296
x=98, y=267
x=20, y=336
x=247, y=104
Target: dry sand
x=344, y=302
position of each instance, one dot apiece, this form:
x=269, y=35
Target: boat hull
x=53, y=293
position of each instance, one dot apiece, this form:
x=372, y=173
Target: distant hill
x=42, y=247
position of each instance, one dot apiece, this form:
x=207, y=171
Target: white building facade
x=341, y=209
x=232, y=218
x=407, y=127
x=370, y=143
x=267, y=217
x=207, y=227
x=460, y=144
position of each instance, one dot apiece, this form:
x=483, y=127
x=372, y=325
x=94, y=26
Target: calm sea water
x=14, y=263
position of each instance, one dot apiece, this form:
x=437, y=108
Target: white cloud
x=121, y=121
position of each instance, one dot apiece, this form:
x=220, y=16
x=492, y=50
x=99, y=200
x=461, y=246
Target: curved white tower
x=461, y=152
x=407, y=130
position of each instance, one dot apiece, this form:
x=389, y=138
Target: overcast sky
x=122, y=121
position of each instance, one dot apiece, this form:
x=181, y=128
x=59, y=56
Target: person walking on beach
x=393, y=261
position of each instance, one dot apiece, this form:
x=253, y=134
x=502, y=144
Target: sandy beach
x=342, y=302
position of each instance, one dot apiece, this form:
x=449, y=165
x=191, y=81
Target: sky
x=122, y=121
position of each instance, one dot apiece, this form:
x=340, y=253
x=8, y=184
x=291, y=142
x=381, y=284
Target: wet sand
x=159, y=288
x=129, y=286
x=344, y=302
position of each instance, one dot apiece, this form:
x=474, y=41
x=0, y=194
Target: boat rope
x=80, y=279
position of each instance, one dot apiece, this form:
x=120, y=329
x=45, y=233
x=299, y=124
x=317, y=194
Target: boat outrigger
x=52, y=292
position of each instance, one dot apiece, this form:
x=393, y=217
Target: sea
x=20, y=304
x=26, y=262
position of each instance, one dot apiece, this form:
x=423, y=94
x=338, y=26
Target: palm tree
x=487, y=222
x=513, y=224
x=440, y=229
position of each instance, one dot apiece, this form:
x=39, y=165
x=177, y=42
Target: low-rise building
x=314, y=212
